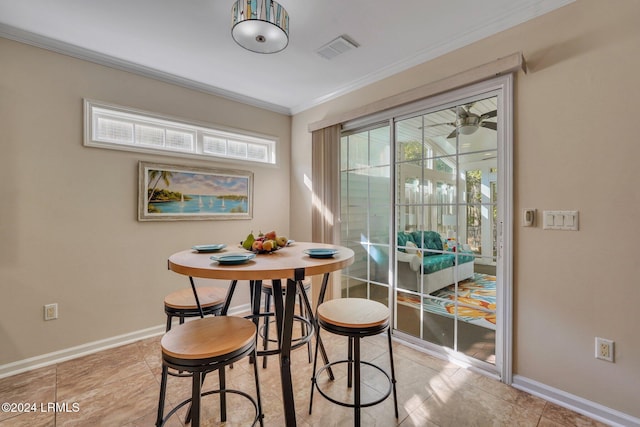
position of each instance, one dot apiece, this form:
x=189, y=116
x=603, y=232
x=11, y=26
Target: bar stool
x=354, y=318
x=182, y=304
x=202, y=346
x=303, y=317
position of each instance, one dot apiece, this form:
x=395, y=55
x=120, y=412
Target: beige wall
x=68, y=216
x=576, y=147
x=69, y=234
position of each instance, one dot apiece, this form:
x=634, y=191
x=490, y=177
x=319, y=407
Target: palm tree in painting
x=157, y=176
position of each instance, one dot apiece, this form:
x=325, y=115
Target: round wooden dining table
x=291, y=264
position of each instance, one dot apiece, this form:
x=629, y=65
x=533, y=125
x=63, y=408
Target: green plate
x=233, y=259
x=320, y=252
x=209, y=248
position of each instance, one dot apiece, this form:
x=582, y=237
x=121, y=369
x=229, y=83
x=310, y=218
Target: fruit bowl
x=264, y=243
x=258, y=252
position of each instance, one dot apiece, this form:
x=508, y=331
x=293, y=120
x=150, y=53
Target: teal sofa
x=425, y=265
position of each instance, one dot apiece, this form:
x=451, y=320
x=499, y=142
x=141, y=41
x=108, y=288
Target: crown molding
x=510, y=19
x=68, y=49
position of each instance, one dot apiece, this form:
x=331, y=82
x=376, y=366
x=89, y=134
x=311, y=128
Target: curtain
x=325, y=171
x=325, y=200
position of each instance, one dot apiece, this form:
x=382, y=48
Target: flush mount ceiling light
x=260, y=26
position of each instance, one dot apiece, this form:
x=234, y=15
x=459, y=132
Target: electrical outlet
x=604, y=349
x=51, y=311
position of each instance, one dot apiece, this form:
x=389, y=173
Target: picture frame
x=173, y=192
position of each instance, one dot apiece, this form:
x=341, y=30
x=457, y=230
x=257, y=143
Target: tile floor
x=119, y=387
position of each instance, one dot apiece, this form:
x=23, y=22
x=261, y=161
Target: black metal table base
x=283, y=309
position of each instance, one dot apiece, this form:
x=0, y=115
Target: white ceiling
x=189, y=41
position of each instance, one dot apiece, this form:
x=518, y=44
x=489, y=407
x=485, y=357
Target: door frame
x=502, y=85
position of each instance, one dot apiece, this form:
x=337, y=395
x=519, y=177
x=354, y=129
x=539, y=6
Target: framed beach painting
x=172, y=192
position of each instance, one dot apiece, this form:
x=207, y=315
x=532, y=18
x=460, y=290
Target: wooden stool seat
x=209, y=337
x=182, y=303
x=353, y=313
x=202, y=346
x=183, y=299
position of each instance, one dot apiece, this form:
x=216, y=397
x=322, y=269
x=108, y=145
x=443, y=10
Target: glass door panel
x=446, y=198
x=366, y=212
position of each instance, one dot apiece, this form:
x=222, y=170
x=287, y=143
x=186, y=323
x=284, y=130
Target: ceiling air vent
x=336, y=47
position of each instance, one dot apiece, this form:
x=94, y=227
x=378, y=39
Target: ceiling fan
x=467, y=122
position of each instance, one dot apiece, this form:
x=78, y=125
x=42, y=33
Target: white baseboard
x=77, y=351
x=575, y=403
x=59, y=356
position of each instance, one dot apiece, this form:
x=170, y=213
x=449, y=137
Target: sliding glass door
x=425, y=205
x=446, y=210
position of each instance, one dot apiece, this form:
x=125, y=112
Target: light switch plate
x=560, y=220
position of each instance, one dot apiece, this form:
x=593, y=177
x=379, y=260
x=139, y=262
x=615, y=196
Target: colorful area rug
x=476, y=301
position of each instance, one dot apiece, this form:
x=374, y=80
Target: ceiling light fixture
x=261, y=26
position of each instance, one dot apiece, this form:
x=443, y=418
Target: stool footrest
x=207, y=393
x=296, y=317
x=296, y=342
x=347, y=404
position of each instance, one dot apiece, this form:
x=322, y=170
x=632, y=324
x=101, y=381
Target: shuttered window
x=122, y=128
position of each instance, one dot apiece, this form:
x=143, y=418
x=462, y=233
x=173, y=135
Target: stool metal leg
x=313, y=375
x=223, y=396
x=356, y=380
x=195, y=402
x=267, y=307
x=393, y=373
x=187, y=418
x=350, y=363
x=255, y=376
x=163, y=394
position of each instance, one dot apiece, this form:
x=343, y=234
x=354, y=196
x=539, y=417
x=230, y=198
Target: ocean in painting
x=201, y=205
